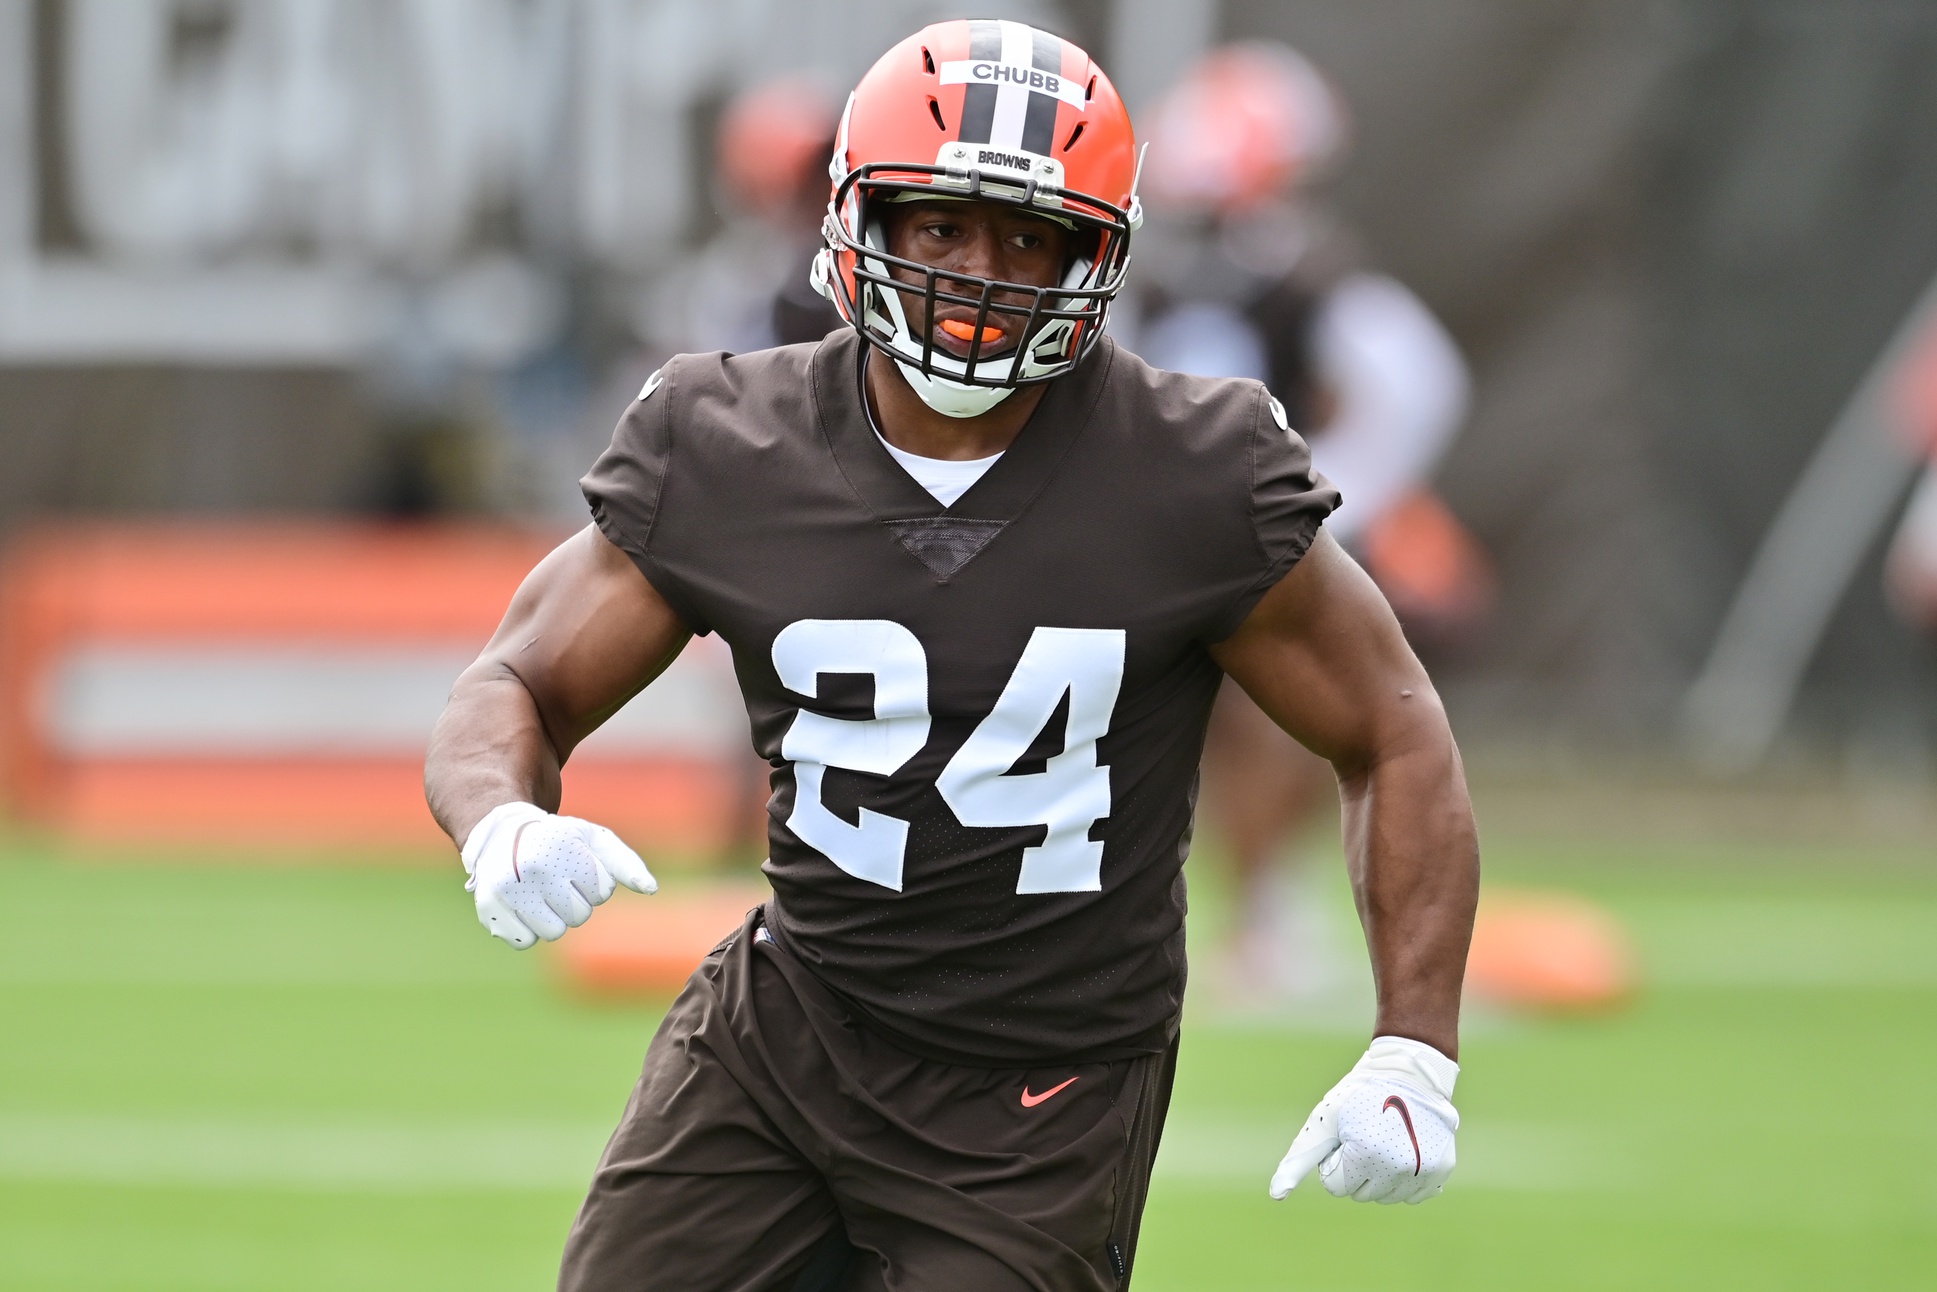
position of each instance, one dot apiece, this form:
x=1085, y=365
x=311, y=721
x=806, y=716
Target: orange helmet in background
x=1000, y=112
x=1248, y=121
x=772, y=138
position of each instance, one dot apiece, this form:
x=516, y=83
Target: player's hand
x=1384, y=1133
x=536, y=875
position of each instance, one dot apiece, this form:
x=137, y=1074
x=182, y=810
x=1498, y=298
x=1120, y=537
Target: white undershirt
x=947, y=481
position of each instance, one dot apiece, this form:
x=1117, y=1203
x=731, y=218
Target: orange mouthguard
x=966, y=331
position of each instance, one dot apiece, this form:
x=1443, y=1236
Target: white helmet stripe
x=1015, y=84
x=1012, y=98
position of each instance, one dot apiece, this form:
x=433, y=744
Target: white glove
x=1384, y=1133
x=536, y=875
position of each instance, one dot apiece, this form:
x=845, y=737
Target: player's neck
x=914, y=427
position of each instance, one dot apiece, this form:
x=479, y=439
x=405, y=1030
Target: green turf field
x=327, y=1078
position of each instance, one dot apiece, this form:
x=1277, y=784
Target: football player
x=1250, y=276
x=982, y=573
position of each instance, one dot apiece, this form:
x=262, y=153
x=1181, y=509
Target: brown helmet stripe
x=978, y=101
x=1039, y=123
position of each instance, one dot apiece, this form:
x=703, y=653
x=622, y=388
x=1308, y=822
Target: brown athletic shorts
x=773, y=1144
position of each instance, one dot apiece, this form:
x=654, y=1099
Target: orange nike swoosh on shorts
x=1030, y=1101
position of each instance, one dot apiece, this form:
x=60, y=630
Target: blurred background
x=1617, y=322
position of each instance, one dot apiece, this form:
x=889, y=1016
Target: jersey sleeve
x=626, y=485
x=1289, y=501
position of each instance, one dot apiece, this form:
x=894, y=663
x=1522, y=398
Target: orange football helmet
x=1245, y=123
x=995, y=111
x=771, y=141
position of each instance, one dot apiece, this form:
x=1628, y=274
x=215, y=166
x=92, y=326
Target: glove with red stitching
x=536, y=874
x=1384, y=1133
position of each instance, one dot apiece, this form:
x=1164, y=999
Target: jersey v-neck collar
x=1005, y=490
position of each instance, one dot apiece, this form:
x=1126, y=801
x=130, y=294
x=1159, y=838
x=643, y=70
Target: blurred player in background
x=748, y=289
x=1248, y=276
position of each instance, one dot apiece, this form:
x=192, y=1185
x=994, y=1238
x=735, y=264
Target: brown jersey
x=985, y=720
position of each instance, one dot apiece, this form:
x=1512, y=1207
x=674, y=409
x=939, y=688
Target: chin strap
x=952, y=398
x=949, y=398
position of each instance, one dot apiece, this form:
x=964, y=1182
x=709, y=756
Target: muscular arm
x=1323, y=656
x=584, y=634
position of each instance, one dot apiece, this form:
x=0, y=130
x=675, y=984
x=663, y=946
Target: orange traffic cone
x=649, y=946
x=1548, y=952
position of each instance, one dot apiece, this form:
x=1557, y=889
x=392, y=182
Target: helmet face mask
x=896, y=121
x=1055, y=325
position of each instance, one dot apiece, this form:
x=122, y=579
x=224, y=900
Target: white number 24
x=1068, y=796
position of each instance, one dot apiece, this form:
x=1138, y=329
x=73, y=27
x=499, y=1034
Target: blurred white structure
x=1851, y=488
x=299, y=180
x=268, y=700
